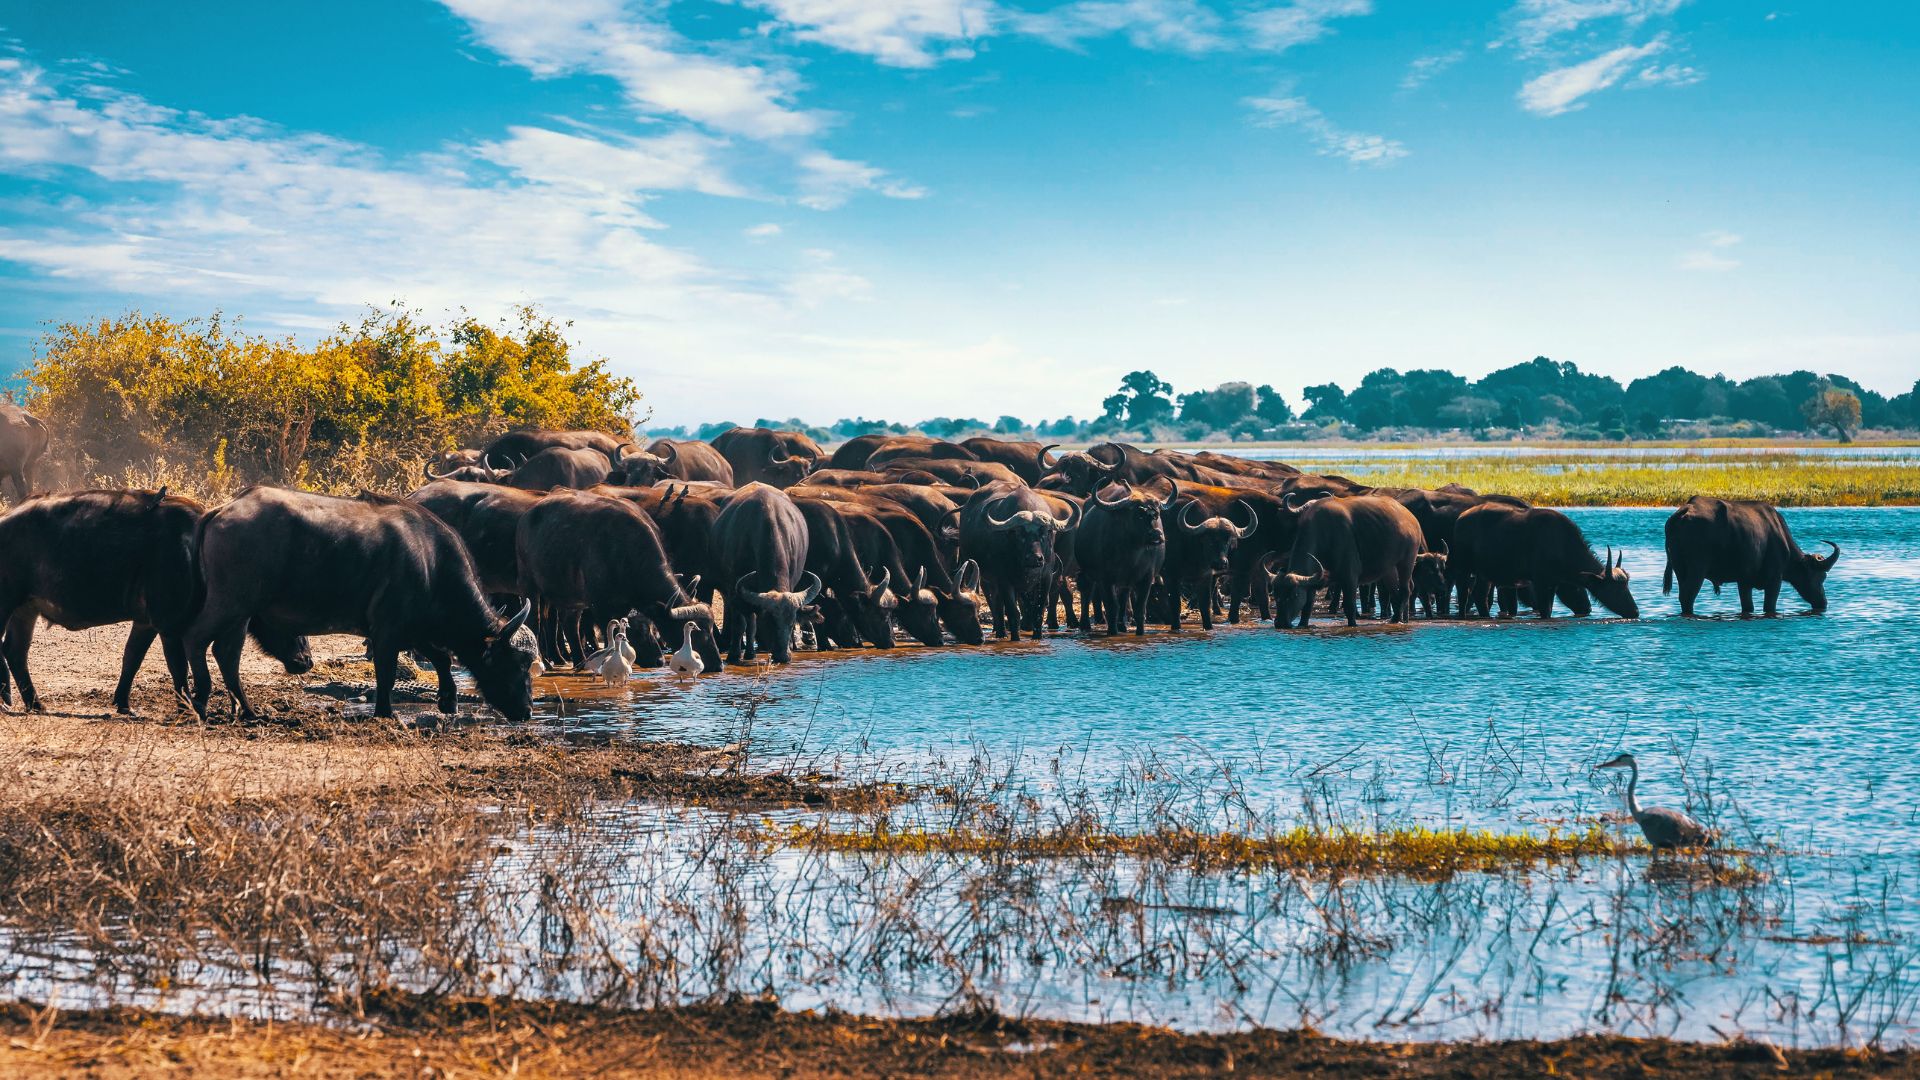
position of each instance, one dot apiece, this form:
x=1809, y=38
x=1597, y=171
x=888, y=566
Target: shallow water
x=1362, y=451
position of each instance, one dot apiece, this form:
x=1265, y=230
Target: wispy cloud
x=1179, y=25
x=1422, y=70
x=763, y=231
x=1714, y=256
x=1283, y=26
x=1674, y=75
x=1329, y=138
x=1536, y=23
x=1560, y=90
x=827, y=181
x=900, y=33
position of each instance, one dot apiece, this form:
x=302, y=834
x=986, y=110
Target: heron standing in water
x=1664, y=828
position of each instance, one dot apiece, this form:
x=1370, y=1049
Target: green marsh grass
x=1595, y=479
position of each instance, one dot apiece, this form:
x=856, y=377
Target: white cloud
x=1284, y=26
x=1674, y=75
x=1180, y=25
x=902, y=33
x=661, y=73
x=1560, y=90
x=1535, y=23
x=827, y=181
x=1330, y=139
x=616, y=170
x=764, y=231
x=1714, y=256
x=1426, y=67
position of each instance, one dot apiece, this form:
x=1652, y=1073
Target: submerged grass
x=1581, y=480
x=1409, y=851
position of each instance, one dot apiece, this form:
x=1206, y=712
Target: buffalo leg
x=139, y=640
x=1746, y=598
x=386, y=666
x=447, y=699
x=1689, y=592
x=1142, y=596
x=226, y=653
x=1209, y=591
x=1351, y=602
x=175, y=650
x=1772, y=594
x=19, y=641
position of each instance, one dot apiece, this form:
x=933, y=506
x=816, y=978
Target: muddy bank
x=753, y=1039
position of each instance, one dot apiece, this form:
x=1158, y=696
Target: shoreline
x=743, y=1038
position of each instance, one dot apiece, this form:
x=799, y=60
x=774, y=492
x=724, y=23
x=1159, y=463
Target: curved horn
x=431, y=475
x=1833, y=558
x=1446, y=548
x=1045, y=465
x=812, y=591
x=1253, y=517
x=747, y=596
x=1320, y=574
x=486, y=462
x=1173, y=492
x=672, y=453
x=1003, y=523
x=920, y=580
x=970, y=576
x=1288, y=502
x=777, y=453
x=619, y=455
x=1186, y=512
x=1115, y=503
x=886, y=579
x=519, y=620
x=1074, y=516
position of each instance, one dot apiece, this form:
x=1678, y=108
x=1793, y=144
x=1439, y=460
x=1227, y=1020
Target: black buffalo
x=1743, y=544
x=1201, y=541
x=293, y=563
x=1008, y=529
x=1343, y=544
x=583, y=553
x=1030, y=460
x=92, y=558
x=1437, y=510
x=925, y=559
x=487, y=518
x=1541, y=555
x=760, y=546
x=760, y=455
x=563, y=467
x=518, y=447
x=1120, y=547
x=861, y=607
x=691, y=460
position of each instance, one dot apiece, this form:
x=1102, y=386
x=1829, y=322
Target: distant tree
x=1834, y=408
x=1271, y=407
x=859, y=425
x=1905, y=409
x=1470, y=412
x=1220, y=408
x=1143, y=398
x=1648, y=425
x=1612, y=421
x=1325, y=402
x=708, y=431
x=1066, y=426
x=1009, y=425
x=1677, y=393
x=1523, y=391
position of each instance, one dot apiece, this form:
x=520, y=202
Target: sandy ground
x=753, y=1039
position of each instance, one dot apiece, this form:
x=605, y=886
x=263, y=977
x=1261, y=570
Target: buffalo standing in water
x=1121, y=546
x=292, y=562
x=1542, y=554
x=1745, y=544
x=1343, y=544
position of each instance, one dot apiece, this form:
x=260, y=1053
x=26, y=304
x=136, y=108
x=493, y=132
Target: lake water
x=1796, y=735
x=1364, y=452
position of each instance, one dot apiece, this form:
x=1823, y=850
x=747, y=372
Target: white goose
x=616, y=632
x=684, y=660
x=616, y=666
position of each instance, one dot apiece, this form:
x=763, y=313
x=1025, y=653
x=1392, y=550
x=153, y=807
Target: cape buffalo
x=23, y=442
x=1745, y=544
x=1201, y=540
x=1437, y=511
x=760, y=546
x=92, y=558
x=1029, y=460
x=1008, y=529
x=477, y=471
x=866, y=607
x=582, y=552
x=775, y=458
x=692, y=460
x=916, y=447
x=487, y=519
x=1542, y=555
x=517, y=447
x=1343, y=544
x=1120, y=547
x=562, y=467
x=300, y=563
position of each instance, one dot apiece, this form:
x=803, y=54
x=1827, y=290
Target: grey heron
x=1664, y=828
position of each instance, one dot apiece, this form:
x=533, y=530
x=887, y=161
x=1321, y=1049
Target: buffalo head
x=1217, y=536
x=502, y=667
x=1031, y=531
x=1808, y=575
x=1293, y=592
x=1075, y=472
x=960, y=612
x=1610, y=587
x=1141, y=511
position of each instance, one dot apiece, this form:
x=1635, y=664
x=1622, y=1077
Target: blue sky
x=921, y=207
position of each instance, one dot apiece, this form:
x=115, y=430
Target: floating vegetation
x=1411, y=851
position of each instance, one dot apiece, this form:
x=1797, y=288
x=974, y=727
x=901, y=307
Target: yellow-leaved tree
x=204, y=406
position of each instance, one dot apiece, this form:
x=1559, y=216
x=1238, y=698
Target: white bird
x=616, y=631
x=1664, y=828
x=684, y=660
x=615, y=667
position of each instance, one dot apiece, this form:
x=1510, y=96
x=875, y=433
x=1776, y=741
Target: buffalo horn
x=813, y=591
x=1186, y=512
x=1253, y=520
x=1115, y=504
x=1045, y=465
x=1833, y=558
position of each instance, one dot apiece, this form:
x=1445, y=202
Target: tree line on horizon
x=1541, y=398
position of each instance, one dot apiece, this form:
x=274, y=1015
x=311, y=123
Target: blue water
x=1363, y=451
x=1807, y=723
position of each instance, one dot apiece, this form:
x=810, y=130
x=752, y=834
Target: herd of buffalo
x=511, y=555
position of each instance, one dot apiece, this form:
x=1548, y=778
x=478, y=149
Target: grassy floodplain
x=1604, y=475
